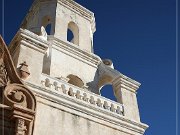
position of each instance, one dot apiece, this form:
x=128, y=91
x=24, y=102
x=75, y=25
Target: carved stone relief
x=15, y=94
x=23, y=70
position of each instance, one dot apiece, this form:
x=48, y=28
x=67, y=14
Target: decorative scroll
x=18, y=94
x=15, y=94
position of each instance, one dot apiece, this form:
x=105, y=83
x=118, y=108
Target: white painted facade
x=66, y=77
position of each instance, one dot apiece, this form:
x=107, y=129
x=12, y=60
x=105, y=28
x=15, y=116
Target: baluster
x=63, y=88
x=78, y=95
x=47, y=83
x=55, y=84
x=105, y=105
x=70, y=92
x=118, y=110
x=91, y=100
x=112, y=109
x=99, y=102
x=85, y=97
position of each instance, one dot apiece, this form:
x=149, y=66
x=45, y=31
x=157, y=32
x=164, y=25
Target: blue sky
x=139, y=36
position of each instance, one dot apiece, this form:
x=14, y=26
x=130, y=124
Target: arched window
x=48, y=29
x=107, y=91
x=74, y=80
x=70, y=36
x=46, y=22
x=73, y=33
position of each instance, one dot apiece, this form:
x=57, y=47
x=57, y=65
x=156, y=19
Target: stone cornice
x=77, y=8
x=29, y=39
x=83, y=109
x=119, y=80
x=126, y=82
x=74, y=6
x=75, y=51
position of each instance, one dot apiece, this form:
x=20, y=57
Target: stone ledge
x=29, y=39
x=73, y=50
x=32, y=40
x=127, y=83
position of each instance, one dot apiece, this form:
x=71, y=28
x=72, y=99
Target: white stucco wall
x=51, y=119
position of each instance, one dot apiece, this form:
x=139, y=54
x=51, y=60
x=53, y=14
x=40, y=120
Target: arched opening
x=75, y=80
x=104, y=80
x=46, y=22
x=48, y=29
x=73, y=33
x=105, y=87
x=70, y=36
x=107, y=91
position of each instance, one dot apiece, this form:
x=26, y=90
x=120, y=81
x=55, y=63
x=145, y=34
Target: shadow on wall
x=47, y=62
x=75, y=80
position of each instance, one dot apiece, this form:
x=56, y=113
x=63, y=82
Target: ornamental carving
x=3, y=73
x=18, y=94
x=15, y=94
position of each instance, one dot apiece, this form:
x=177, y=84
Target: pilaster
x=125, y=92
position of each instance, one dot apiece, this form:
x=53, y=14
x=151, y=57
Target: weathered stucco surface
x=51, y=119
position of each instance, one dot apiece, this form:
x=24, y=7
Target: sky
x=139, y=36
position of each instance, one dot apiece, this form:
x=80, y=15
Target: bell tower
x=53, y=54
x=61, y=17
x=65, y=55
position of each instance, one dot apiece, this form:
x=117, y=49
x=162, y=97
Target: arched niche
x=75, y=80
x=73, y=33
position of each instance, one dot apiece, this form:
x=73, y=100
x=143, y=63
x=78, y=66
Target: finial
x=108, y=63
x=24, y=71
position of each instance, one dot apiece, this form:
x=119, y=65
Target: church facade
x=50, y=81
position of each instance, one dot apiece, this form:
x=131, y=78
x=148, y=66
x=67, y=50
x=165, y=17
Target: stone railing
x=62, y=87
